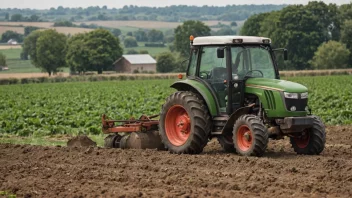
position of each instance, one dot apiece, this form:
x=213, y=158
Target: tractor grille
x=300, y=104
x=269, y=96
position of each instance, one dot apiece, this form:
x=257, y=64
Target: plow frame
x=143, y=124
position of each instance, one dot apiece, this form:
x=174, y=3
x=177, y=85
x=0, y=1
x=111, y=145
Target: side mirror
x=221, y=52
x=285, y=55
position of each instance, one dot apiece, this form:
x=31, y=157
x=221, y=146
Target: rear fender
x=201, y=89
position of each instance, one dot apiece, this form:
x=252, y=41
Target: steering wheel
x=201, y=73
x=251, y=71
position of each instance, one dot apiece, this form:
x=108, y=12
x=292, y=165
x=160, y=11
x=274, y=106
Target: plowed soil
x=35, y=171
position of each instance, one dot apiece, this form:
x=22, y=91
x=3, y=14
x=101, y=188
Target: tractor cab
x=224, y=63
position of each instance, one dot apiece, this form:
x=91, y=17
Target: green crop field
x=72, y=108
x=15, y=64
x=153, y=51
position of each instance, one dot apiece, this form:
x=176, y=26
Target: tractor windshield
x=252, y=61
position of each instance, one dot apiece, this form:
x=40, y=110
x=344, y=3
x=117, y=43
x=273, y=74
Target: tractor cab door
x=214, y=72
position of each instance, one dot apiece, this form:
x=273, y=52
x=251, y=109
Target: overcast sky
x=46, y=4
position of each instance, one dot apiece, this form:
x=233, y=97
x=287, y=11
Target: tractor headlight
x=304, y=95
x=291, y=95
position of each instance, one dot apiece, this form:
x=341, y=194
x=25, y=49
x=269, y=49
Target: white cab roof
x=219, y=40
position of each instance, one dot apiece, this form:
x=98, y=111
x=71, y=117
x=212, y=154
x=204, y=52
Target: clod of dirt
x=81, y=141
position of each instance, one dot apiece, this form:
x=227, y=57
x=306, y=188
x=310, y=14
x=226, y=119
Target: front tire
x=312, y=140
x=185, y=123
x=250, y=136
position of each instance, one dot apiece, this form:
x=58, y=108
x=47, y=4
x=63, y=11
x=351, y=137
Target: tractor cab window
x=252, y=62
x=213, y=70
x=193, y=63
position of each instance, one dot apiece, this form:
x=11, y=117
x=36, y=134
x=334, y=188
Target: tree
x=2, y=59
x=6, y=36
x=7, y=16
x=104, y=49
x=51, y=51
x=346, y=35
x=184, y=31
x=34, y=18
x=141, y=35
x=132, y=51
x=166, y=62
x=116, y=32
x=252, y=25
x=16, y=17
x=77, y=56
x=30, y=46
x=130, y=42
x=143, y=52
x=234, y=23
x=29, y=29
x=331, y=55
x=155, y=36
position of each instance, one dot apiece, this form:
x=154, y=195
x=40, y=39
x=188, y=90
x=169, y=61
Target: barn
x=134, y=63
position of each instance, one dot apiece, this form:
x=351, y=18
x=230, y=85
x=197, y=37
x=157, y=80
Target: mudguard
x=195, y=86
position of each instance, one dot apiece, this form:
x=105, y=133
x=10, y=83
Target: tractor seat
x=218, y=73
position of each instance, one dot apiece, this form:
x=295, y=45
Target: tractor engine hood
x=276, y=85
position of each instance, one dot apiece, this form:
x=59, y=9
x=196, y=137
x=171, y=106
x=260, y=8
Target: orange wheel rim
x=244, y=138
x=177, y=125
x=303, y=141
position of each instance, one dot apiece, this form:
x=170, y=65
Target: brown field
x=27, y=75
x=44, y=25
x=36, y=171
x=35, y=24
x=19, y=30
x=5, y=47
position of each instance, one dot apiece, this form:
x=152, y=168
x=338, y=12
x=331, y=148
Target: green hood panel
x=276, y=85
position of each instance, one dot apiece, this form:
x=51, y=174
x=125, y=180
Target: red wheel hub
x=244, y=138
x=302, y=141
x=177, y=125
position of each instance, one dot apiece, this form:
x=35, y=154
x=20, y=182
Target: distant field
x=35, y=24
x=71, y=30
x=153, y=51
x=124, y=26
x=44, y=25
x=5, y=47
x=145, y=24
x=19, y=30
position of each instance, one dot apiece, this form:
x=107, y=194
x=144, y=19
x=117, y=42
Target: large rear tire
x=311, y=141
x=185, y=123
x=250, y=136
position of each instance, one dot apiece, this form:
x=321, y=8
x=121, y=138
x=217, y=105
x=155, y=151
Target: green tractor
x=233, y=92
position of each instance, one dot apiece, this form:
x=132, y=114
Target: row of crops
x=72, y=108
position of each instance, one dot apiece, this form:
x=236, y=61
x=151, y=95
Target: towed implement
x=232, y=92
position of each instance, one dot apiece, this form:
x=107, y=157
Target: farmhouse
x=12, y=42
x=134, y=63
